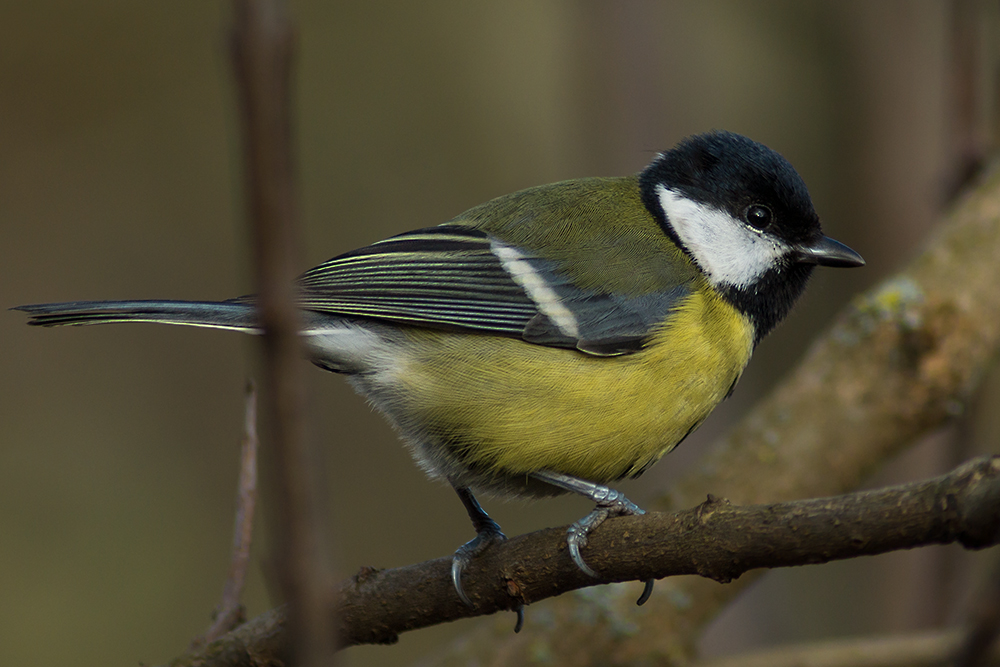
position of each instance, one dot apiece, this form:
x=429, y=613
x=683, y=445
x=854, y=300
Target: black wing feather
x=443, y=276
x=449, y=277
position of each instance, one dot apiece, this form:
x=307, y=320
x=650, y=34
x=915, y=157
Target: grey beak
x=827, y=252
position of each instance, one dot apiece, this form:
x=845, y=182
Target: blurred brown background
x=120, y=178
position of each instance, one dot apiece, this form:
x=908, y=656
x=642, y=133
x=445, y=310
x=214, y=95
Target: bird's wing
x=453, y=276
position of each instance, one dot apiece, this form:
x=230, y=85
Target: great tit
x=558, y=338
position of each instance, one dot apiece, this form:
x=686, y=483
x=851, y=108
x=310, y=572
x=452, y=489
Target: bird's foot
x=488, y=535
x=609, y=503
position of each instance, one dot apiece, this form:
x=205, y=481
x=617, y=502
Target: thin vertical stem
x=263, y=42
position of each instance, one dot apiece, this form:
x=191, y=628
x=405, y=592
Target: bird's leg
x=609, y=503
x=488, y=533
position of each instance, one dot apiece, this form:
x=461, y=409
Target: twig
x=715, y=540
x=230, y=611
x=263, y=41
x=970, y=58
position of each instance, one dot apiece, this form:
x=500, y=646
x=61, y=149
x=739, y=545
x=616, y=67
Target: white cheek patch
x=727, y=250
x=548, y=302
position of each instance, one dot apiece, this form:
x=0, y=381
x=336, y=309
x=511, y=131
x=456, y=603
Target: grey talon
x=609, y=503
x=574, y=553
x=458, y=564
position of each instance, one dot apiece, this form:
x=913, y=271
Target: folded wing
x=456, y=277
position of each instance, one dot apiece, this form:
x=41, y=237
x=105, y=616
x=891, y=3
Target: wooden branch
x=716, y=539
x=900, y=362
x=263, y=44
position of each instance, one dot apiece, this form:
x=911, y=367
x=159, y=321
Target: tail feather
x=215, y=315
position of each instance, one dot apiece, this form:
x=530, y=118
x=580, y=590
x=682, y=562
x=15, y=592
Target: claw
x=609, y=503
x=458, y=563
x=486, y=538
x=576, y=539
x=647, y=590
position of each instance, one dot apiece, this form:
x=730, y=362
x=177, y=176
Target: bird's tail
x=233, y=315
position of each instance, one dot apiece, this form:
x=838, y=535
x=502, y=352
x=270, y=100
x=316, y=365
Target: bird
x=557, y=339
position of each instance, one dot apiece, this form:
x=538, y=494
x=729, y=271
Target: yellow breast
x=503, y=406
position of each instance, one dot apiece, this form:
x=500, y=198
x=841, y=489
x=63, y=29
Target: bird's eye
x=757, y=216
